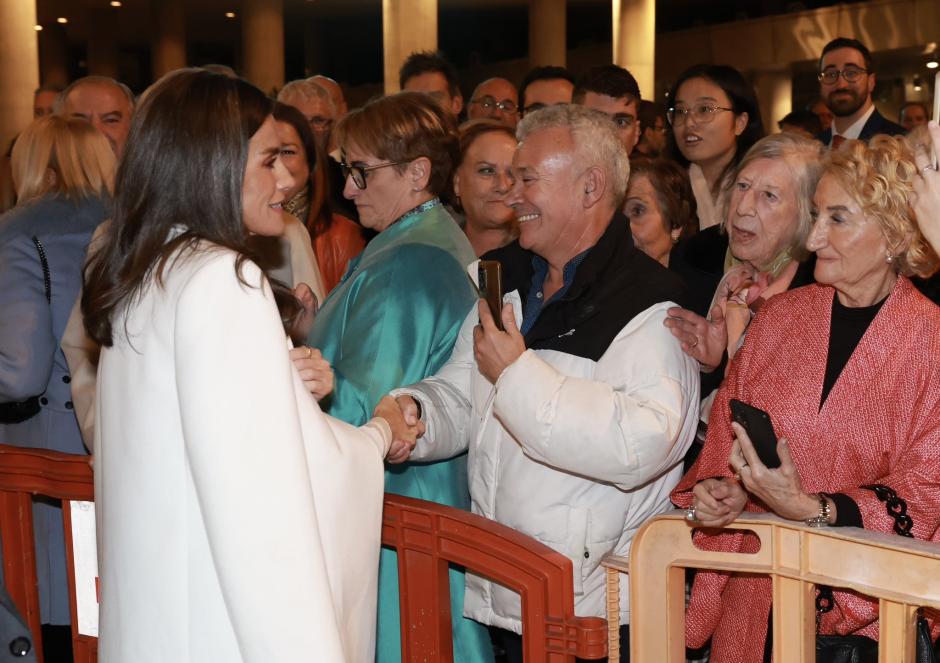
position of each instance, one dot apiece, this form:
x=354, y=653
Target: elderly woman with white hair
x=757, y=252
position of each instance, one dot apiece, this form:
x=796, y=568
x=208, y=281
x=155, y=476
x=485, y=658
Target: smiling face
x=763, y=212
x=546, y=194
x=106, y=107
x=623, y=111
x=715, y=139
x=843, y=98
x=265, y=183
x=851, y=249
x=293, y=157
x=483, y=180
x=651, y=233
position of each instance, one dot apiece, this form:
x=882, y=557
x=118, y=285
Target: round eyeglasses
x=359, y=173
x=488, y=103
x=850, y=74
x=701, y=113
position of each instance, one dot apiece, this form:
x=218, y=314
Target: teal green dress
x=392, y=321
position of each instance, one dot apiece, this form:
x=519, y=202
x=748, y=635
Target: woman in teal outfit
x=394, y=317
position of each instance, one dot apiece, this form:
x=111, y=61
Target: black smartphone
x=759, y=428
x=490, y=278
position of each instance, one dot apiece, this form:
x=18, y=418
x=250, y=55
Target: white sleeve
x=244, y=448
x=445, y=400
x=630, y=423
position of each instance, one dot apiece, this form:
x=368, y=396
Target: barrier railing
x=428, y=538
x=902, y=573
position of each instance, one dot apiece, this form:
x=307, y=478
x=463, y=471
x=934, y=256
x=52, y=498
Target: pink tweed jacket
x=879, y=425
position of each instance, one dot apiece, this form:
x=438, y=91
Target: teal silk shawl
x=392, y=321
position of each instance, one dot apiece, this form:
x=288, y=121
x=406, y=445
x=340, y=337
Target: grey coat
x=16, y=642
x=31, y=361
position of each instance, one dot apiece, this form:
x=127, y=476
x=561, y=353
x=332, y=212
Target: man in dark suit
x=846, y=81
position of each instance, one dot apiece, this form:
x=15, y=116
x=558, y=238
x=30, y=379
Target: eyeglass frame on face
x=320, y=123
x=488, y=103
x=361, y=171
x=701, y=113
x=834, y=74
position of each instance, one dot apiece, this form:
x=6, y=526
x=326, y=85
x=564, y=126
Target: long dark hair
x=320, y=212
x=743, y=100
x=183, y=167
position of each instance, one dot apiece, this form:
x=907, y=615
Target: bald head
x=336, y=93
x=497, y=99
x=103, y=102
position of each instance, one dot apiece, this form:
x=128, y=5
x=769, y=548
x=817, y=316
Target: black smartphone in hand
x=759, y=428
x=490, y=278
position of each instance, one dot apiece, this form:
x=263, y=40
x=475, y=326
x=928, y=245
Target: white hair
x=595, y=138
x=306, y=89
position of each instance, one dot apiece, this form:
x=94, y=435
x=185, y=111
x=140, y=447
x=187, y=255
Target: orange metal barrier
x=427, y=537
x=24, y=473
x=902, y=573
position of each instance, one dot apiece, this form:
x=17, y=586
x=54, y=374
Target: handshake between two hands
x=402, y=416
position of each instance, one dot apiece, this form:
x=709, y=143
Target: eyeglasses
x=359, y=173
x=850, y=74
x=489, y=103
x=320, y=123
x=701, y=113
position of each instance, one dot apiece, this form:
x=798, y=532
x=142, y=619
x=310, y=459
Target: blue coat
x=16, y=642
x=31, y=361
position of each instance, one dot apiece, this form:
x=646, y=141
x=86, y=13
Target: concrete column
x=263, y=43
x=634, y=24
x=168, y=43
x=775, y=93
x=19, y=62
x=547, y=38
x=407, y=26
x=53, y=55
x=102, y=43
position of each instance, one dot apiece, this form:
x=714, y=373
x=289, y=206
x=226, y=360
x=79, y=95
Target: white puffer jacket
x=575, y=453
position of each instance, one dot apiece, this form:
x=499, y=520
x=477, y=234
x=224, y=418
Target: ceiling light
x=917, y=84
x=62, y=19
x=229, y=14
x=115, y=3
x=37, y=28
x=932, y=64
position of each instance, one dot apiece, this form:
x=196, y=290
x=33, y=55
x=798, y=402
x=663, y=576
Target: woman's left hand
x=314, y=370
x=780, y=489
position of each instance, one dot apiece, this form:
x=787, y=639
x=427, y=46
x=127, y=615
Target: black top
x=845, y=333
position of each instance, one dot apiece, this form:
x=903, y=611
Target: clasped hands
x=493, y=351
x=719, y=501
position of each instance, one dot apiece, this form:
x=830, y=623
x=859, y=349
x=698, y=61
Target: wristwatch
x=822, y=518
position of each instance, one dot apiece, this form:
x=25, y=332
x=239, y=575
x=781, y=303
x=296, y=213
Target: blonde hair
x=880, y=177
x=78, y=156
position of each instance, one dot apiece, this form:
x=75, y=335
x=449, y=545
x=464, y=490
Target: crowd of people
x=258, y=315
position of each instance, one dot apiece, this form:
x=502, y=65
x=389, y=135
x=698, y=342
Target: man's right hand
x=401, y=414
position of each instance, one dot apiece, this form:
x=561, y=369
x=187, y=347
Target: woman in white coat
x=236, y=521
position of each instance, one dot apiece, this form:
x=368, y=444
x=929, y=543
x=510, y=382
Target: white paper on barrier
x=85, y=552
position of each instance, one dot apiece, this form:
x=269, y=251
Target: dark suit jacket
x=877, y=124
x=15, y=638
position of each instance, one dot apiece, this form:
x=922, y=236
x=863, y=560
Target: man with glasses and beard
x=846, y=81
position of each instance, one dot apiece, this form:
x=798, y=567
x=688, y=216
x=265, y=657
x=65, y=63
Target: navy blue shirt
x=534, y=303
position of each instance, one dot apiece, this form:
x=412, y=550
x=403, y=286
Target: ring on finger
x=694, y=343
x=690, y=514
x=929, y=166
x=309, y=352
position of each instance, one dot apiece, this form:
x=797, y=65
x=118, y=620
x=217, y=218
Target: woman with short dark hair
x=223, y=495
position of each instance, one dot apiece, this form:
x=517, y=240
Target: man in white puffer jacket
x=577, y=417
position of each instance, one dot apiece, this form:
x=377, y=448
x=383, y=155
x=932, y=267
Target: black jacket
x=613, y=284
